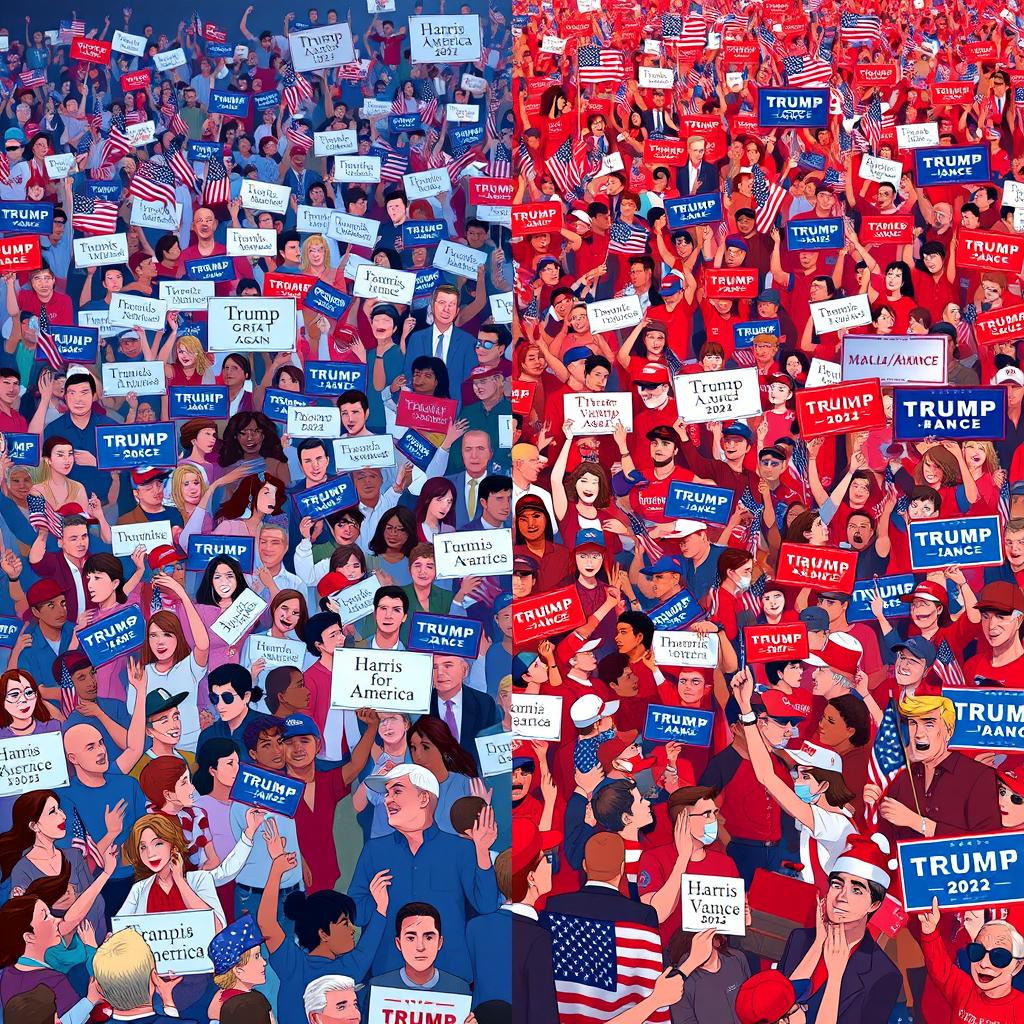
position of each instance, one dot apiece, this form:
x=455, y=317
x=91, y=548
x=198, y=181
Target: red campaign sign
x=20, y=252
x=581, y=24
x=536, y=219
x=424, y=412
x=737, y=52
x=999, y=326
x=665, y=151
x=522, y=397
x=840, y=408
x=710, y=128
x=785, y=642
x=874, y=74
x=537, y=86
x=804, y=565
x=985, y=250
x=92, y=51
x=491, y=191
x=555, y=611
x=730, y=283
x=533, y=106
x=955, y=93
x=985, y=50
x=212, y=34
x=745, y=124
x=887, y=230
x=134, y=80
x=792, y=26
x=288, y=286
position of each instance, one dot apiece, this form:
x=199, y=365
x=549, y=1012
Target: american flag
x=756, y=509
x=671, y=28
x=46, y=343
x=891, y=488
x=1004, y=503
x=523, y=163
x=805, y=72
x=41, y=516
x=82, y=841
x=887, y=757
x=766, y=37
x=393, y=162
x=217, y=186
x=68, y=693
x=603, y=967
x=947, y=668
x=871, y=124
x=627, y=239
x=296, y=89
x=751, y=598
x=179, y=163
x=500, y=164
x=642, y=535
x=117, y=144
x=599, y=65
x=94, y=216
x=566, y=166
x=169, y=109
x=69, y=29
x=299, y=135
x=769, y=196
x=34, y=78
x=861, y=28
x=153, y=183
x=352, y=72
x=5, y=169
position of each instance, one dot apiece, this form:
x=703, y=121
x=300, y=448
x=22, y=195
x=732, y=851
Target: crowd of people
x=767, y=512
x=255, y=516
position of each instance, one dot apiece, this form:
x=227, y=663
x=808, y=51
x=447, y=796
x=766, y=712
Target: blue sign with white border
x=10, y=627
x=744, y=333
x=117, y=634
x=75, y=344
x=26, y=218
x=816, y=233
x=890, y=588
x=23, y=449
x=423, y=232
x=234, y=104
x=212, y=268
x=188, y=402
x=199, y=151
x=327, y=300
x=975, y=414
x=416, y=448
x=952, y=165
x=986, y=719
x=203, y=548
x=257, y=787
x=445, y=634
x=129, y=445
x=973, y=540
x=792, y=108
x=327, y=498
x=330, y=379
x=688, y=210
x=698, y=501
x=677, y=612
x=690, y=726
x=276, y=403
x=266, y=100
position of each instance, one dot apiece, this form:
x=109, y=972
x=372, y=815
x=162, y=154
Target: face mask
x=710, y=833
x=803, y=791
x=743, y=583
x=608, y=734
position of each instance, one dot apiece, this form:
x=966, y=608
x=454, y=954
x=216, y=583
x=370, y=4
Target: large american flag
x=179, y=163
x=861, y=28
x=34, y=78
x=296, y=89
x=41, y=516
x=217, y=186
x=887, y=757
x=299, y=135
x=69, y=29
x=94, y=216
x=803, y=72
x=946, y=667
x=153, y=183
x=599, y=65
x=566, y=166
x=769, y=196
x=46, y=343
x=500, y=165
x=603, y=967
x=82, y=841
x=627, y=239
x=393, y=162
x=170, y=111
x=117, y=144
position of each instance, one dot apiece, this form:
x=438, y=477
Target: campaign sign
x=823, y=372
x=952, y=165
x=356, y=601
x=324, y=499
x=719, y=395
x=252, y=324
x=917, y=136
x=837, y=314
x=239, y=616
x=840, y=408
x=136, y=376
x=126, y=538
x=744, y=333
x=689, y=726
x=384, y=284
x=287, y=286
x=473, y=553
x=495, y=192
x=676, y=613
x=536, y=716
x=199, y=151
x=878, y=169
x=426, y=282
x=689, y=210
x=1001, y=325
x=445, y=634
x=340, y=143
x=327, y=300
x=331, y=379
x=968, y=871
x=234, y=104
x=313, y=421
x=792, y=108
x=114, y=635
x=810, y=235
x=257, y=787
x=416, y=448
x=135, y=80
x=698, y=501
x=614, y=314
x=460, y=260
x=446, y=39
x=555, y=611
x=952, y=93
x=399, y=123
x=385, y=680
x=679, y=647
x=363, y=452
x=967, y=414
x=820, y=568
x=20, y=253
x=276, y=403
x=262, y=195
x=169, y=59
x=75, y=344
x=887, y=230
x=251, y=241
x=730, y=282
x=129, y=310
x=203, y=548
x=895, y=359
x=987, y=719
x=33, y=762
x=710, y=901
x=10, y=627
x=985, y=250
x=211, y=268
x=494, y=754
x=329, y=46
x=275, y=652
x=22, y=449
x=423, y=232
x=786, y=641
x=890, y=588
x=424, y=412
x=91, y=51
x=936, y=543
x=26, y=218
x=186, y=403
x=351, y=169
x=125, y=446
x=266, y=100
x=179, y=941
x=598, y=413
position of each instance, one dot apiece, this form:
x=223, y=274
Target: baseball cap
x=580, y=215
x=161, y=700
x=667, y=563
x=528, y=842
x=927, y=590
x=833, y=595
x=416, y=774
x=589, y=708
x=810, y=755
x=815, y=619
x=841, y=652
x=672, y=285
x=576, y=353
x=72, y=661
x=652, y=373
x=479, y=372
x=331, y=584
x=683, y=528
x=766, y=998
x=1002, y=597
x=782, y=378
x=588, y=539
x=525, y=563
x=300, y=725
x=770, y=295
x=739, y=430
x=163, y=555
x=1011, y=772
x=736, y=242
x=146, y=474
x=919, y=647
x=610, y=751
x=42, y=591
x=781, y=706
x=1009, y=375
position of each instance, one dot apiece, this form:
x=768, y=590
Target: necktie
x=471, y=504
x=449, y=719
x=439, y=347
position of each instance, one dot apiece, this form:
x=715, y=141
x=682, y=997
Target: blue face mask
x=803, y=791
x=608, y=734
x=710, y=833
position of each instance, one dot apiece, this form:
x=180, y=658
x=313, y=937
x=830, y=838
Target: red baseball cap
x=332, y=583
x=528, y=842
x=841, y=652
x=765, y=998
x=611, y=750
x=1011, y=772
x=163, y=555
x=928, y=590
x=781, y=705
x=652, y=373
x=42, y=591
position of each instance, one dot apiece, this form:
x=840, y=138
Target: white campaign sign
x=718, y=396
x=354, y=230
x=385, y=680
x=460, y=260
x=823, y=372
x=125, y=539
x=100, y=250
x=375, y=108
x=597, y=413
x=1013, y=192
x=875, y=168
x=695, y=650
x=446, y=39
x=373, y=282
x=169, y=59
x=313, y=220
x=179, y=941
x=125, y=42
x=356, y=602
x=916, y=136
x=614, y=314
x=913, y=360
x=709, y=901
x=59, y=165
x=495, y=754
x=552, y=44
x=656, y=78
x=536, y=716
x=133, y=310
x=146, y=214
x=473, y=553
x=329, y=46
x=261, y=195
x=398, y=1005
x=141, y=134
x=252, y=242
x=501, y=307
x=275, y=652
x=341, y=143
x=465, y=113
x=831, y=316
x=363, y=452
x=427, y=184
x=256, y=324
x=139, y=377
x=32, y=762
x=232, y=623
x=98, y=319
x=358, y=169
x=187, y=294
x=313, y=421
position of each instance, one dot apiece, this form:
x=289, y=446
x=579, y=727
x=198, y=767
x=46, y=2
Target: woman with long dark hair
x=251, y=435
x=394, y=538
x=435, y=509
x=222, y=583
x=23, y=711
x=432, y=746
x=243, y=513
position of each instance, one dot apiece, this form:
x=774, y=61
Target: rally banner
x=689, y=210
x=536, y=716
x=792, y=108
x=867, y=76
x=324, y=499
x=445, y=634
x=688, y=726
x=101, y=251
x=614, y=314
x=90, y=51
x=22, y=450
x=985, y=250
x=744, y=333
x=130, y=310
x=820, y=568
x=233, y=104
x=554, y=611
x=10, y=627
x=329, y=46
x=211, y=268
x=536, y=219
x=125, y=539
x=363, y=452
x=444, y=39
x=340, y=143
x=179, y=941
x=887, y=230
x=459, y=260
x=186, y=403
x=424, y=412
x=74, y=344
x=917, y=136
x=203, y=548
x=730, y=282
x=137, y=444
x=113, y=636
x=891, y=589
x=896, y=359
x=718, y=396
x=274, y=651
x=262, y=195
x=952, y=93
x=987, y=719
x=253, y=242
x=276, y=403
x=423, y=232
x=239, y=616
x=875, y=168
x=813, y=235
x=964, y=414
x=484, y=553
x=18, y=253
x=384, y=284
x=698, y=501
x=840, y=408
x=999, y=326
x=953, y=165
x=288, y=286
x=786, y=641
x=331, y=379
x=384, y=680
x=937, y=543
x=493, y=192
x=682, y=648
x=256, y=787
x=841, y=314
x=597, y=412
x=710, y=901
x=494, y=754
x=251, y=325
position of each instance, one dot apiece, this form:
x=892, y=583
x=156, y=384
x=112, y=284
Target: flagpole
x=906, y=759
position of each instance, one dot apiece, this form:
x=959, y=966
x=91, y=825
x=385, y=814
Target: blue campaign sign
x=423, y=232
x=188, y=402
x=326, y=498
x=26, y=218
x=678, y=725
x=265, y=100
x=445, y=634
x=820, y=233
x=744, y=333
x=202, y=151
x=465, y=136
x=219, y=50
x=416, y=448
x=327, y=300
x=117, y=634
x=426, y=282
x=975, y=414
x=792, y=108
x=677, y=612
x=965, y=872
x=330, y=379
x=109, y=190
x=698, y=501
x=689, y=210
x=10, y=627
x=952, y=165
x=203, y=547
x=987, y=719
x=212, y=268
x=22, y=449
x=257, y=787
x=75, y=344
x=398, y=123
x=126, y=446
x=936, y=543
x=812, y=161
x=890, y=588
x=276, y=403
x=232, y=103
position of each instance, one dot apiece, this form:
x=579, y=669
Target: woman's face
x=531, y=523
x=154, y=852
x=894, y=279
x=41, y=147
x=352, y=569
x=951, y=313
x=206, y=440
x=533, y=359
x=774, y=602
x=163, y=645
x=860, y=491
x=44, y=926
x=752, y=153
x=380, y=259
x=424, y=381
x=20, y=700
x=266, y=499
x=832, y=730
x=396, y=536
x=819, y=532
x=793, y=367
x=250, y=437
x=316, y=253
x=423, y=572
x=19, y=484
x=100, y=587
x=192, y=488
x=254, y=971
x=287, y=382
x=287, y=615
x=712, y=362
x=233, y=374
x=440, y=506
x=62, y=459
x=224, y=581
x=171, y=256
x=425, y=754
x=587, y=488
x=186, y=358
x=52, y=823
x=225, y=771
x=932, y=473
x=779, y=394
x=975, y=454
x=392, y=728
x=578, y=321
x=885, y=322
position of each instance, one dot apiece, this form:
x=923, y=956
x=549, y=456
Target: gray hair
x=1015, y=937
x=314, y=999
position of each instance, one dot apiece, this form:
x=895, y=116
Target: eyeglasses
x=222, y=698
x=15, y=695
x=172, y=568
x=13, y=149
x=488, y=345
x=997, y=957
x=1016, y=799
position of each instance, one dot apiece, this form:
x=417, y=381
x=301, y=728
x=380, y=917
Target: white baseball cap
x=586, y=710
x=1009, y=375
x=684, y=527
x=810, y=755
x=419, y=776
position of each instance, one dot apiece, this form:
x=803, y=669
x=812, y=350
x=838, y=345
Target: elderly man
x=526, y=466
x=331, y=1000
x=466, y=711
x=426, y=865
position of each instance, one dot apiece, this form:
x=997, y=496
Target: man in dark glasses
x=20, y=171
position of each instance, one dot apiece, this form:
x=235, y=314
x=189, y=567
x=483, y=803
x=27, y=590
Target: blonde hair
x=162, y=827
x=123, y=967
x=308, y=244
x=178, y=484
x=190, y=343
x=228, y=978
x=918, y=707
x=991, y=456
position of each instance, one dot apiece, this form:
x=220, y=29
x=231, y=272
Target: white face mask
x=743, y=583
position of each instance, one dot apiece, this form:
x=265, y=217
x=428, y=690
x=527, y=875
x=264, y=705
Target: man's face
x=52, y=613
x=150, y=495
x=695, y=151
x=340, y=1008
x=353, y=417
x=984, y=973
x=204, y=223
x=498, y=507
x=78, y=397
x=640, y=813
x=389, y=614
x=165, y=727
x=639, y=277
x=419, y=942
x=86, y=750
x=272, y=547
x=999, y=628
x=446, y=308
x=1013, y=545
x=626, y=640
x=291, y=251
x=487, y=389
x=521, y=783
x=691, y=687
x=449, y=673
x=596, y=380
x=909, y=670
x=859, y=532
x=314, y=464
x=929, y=737
x=331, y=639
x=368, y=483
x=300, y=751
x=75, y=541
x=848, y=899
x=406, y=806
x=269, y=752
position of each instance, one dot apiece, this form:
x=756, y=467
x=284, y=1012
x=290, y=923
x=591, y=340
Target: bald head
x=85, y=750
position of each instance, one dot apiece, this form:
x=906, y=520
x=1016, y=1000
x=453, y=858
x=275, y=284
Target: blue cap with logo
x=300, y=725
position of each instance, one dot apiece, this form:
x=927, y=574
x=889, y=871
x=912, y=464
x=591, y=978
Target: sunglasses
x=1016, y=799
x=488, y=345
x=998, y=957
x=13, y=149
x=222, y=698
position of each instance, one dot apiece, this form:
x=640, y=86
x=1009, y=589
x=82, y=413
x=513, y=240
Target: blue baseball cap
x=739, y=430
x=300, y=725
x=667, y=563
x=815, y=619
x=919, y=647
x=671, y=285
x=575, y=353
x=589, y=538
x=501, y=602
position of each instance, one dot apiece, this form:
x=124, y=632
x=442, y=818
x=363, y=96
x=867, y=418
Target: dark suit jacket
x=533, y=980
x=600, y=903
x=461, y=355
x=667, y=131
x=479, y=712
x=871, y=981
x=707, y=179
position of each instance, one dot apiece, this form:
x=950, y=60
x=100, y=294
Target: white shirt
x=435, y=333
x=694, y=174
x=832, y=827
x=18, y=188
x=76, y=575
